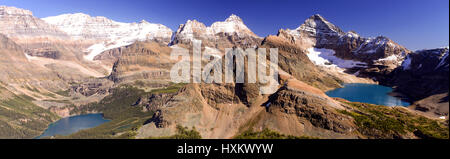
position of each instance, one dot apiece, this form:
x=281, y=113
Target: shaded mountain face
x=223, y=34
x=423, y=73
x=379, y=54
x=424, y=77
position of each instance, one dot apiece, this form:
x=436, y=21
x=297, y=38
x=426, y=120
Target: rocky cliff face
x=221, y=111
x=297, y=110
x=295, y=62
x=21, y=26
x=146, y=61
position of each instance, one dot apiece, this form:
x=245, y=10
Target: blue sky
x=416, y=24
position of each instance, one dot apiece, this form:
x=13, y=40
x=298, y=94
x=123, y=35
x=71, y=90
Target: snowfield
x=326, y=58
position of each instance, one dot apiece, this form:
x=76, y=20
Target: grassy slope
x=182, y=133
x=268, y=134
x=20, y=118
x=375, y=121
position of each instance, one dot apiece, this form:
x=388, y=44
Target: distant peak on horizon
x=233, y=17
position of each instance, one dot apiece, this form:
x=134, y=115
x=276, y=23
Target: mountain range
x=75, y=64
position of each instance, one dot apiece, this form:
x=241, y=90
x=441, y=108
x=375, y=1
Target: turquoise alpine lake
x=367, y=93
x=69, y=125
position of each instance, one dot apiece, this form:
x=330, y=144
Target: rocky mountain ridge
x=424, y=77
x=221, y=34
x=21, y=26
x=317, y=32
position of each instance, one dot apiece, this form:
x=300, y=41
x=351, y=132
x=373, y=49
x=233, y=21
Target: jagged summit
x=316, y=24
x=144, y=21
x=194, y=29
x=233, y=18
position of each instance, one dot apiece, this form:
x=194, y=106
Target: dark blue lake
x=69, y=125
x=367, y=93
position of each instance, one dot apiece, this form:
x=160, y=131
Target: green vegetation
x=375, y=121
x=20, y=118
x=59, y=101
x=182, y=133
x=268, y=134
x=64, y=93
x=49, y=95
x=32, y=89
x=247, y=127
x=172, y=88
x=125, y=118
x=139, y=83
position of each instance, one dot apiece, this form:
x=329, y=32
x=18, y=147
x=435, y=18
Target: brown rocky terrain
x=146, y=62
x=293, y=60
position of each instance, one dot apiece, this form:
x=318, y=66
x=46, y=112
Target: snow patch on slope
x=97, y=49
x=326, y=58
x=443, y=63
x=406, y=63
x=30, y=58
x=397, y=59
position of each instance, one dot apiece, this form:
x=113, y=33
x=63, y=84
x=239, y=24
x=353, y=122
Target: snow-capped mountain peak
x=107, y=33
x=194, y=29
x=83, y=26
x=232, y=24
x=233, y=18
x=316, y=24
